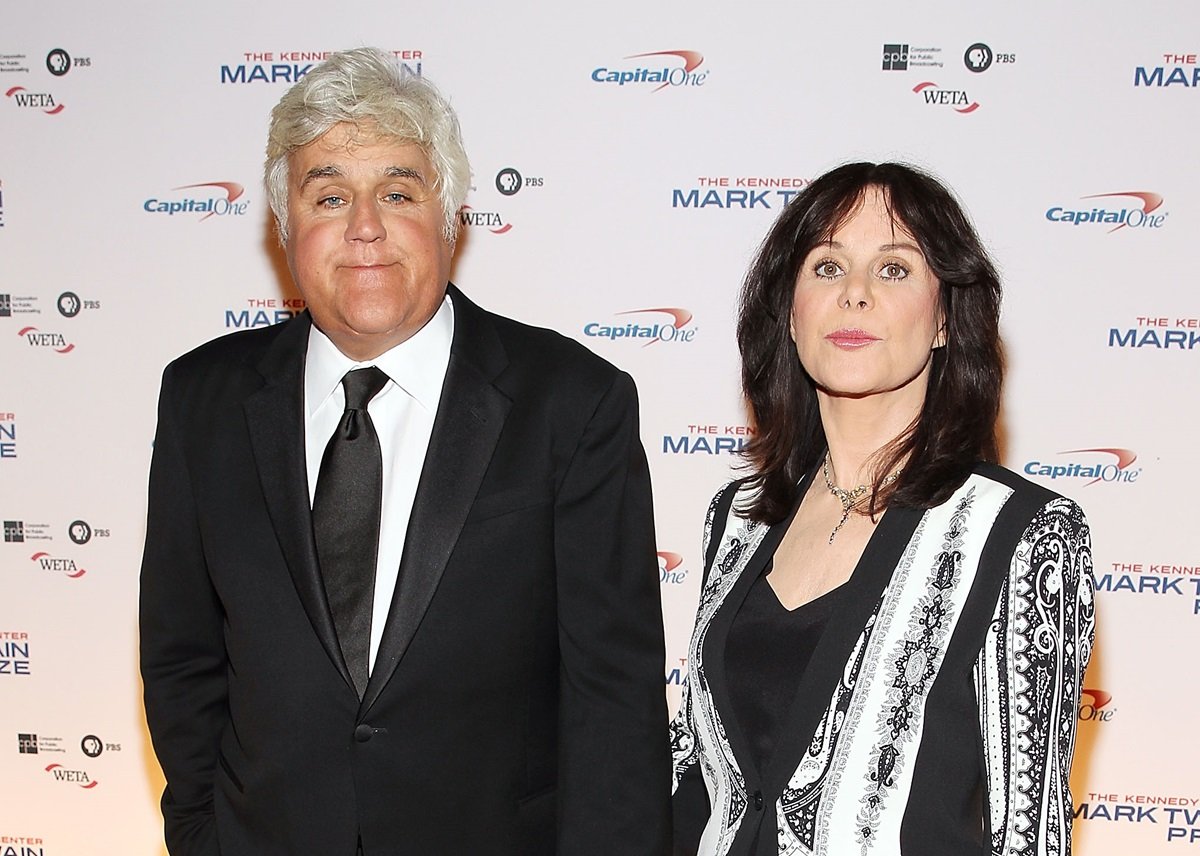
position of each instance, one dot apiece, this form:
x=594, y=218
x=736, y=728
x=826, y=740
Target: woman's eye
x=893, y=270
x=827, y=269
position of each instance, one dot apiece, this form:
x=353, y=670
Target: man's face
x=365, y=242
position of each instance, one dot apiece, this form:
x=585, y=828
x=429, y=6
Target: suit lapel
x=815, y=689
x=856, y=603
x=275, y=418
x=718, y=637
x=470, y=417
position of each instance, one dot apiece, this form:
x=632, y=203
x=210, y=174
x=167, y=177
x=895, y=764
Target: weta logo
x=77, y=777
x=36, y=338
x=957, y=99
x=59, y=566
x=490, y=220
x=43, y=101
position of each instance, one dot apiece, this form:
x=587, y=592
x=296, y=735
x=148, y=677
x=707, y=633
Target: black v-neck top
x=766, y=654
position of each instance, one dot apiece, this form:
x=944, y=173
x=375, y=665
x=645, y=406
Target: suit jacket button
x=758, y=800
x=363, y=733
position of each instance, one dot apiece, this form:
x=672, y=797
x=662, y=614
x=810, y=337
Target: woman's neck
x=856, y=429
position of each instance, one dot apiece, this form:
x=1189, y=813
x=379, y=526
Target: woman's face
x=866, y=314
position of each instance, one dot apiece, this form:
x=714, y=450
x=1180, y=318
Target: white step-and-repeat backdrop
x=628, y=157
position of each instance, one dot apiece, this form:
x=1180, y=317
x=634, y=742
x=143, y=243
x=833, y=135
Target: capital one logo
x=665, y=76
x=1143, y=214
x=670, y=568
x=213, y=199
x=653, y=329
x=1094, y=706
x=1095, y=465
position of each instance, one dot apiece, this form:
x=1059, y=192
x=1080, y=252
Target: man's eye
x=893, y=270
x=397, y=197
x=331, y=202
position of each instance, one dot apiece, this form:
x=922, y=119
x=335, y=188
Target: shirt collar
x=417, y=365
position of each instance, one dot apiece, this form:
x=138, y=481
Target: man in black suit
x=481, y=671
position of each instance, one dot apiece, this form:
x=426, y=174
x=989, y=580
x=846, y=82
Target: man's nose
x=365, y=224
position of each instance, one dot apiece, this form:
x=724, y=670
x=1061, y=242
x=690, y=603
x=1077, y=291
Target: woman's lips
x=851, y=339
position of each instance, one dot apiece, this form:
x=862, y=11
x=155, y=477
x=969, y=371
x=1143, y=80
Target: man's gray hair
x=366, y=88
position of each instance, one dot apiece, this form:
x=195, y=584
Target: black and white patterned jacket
x=938, y=713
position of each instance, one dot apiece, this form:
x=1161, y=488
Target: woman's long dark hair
x=957, y=424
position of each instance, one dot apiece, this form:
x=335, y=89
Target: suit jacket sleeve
x=614, y=766
x=183, y=659
x=1028, y=681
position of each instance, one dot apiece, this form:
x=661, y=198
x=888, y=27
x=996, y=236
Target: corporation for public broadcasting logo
x=39, y=744
x=18, y=304
x=899, y=56
x=211, y=198
x=653, y=329
x=1091, y=465
x=1137, y=209
x=676, y=69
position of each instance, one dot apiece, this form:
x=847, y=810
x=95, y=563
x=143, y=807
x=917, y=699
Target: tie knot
x=361, y=385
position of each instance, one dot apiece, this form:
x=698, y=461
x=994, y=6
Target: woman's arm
x=1028, y=680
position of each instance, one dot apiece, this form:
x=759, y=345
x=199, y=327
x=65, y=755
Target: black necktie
x=345, y=513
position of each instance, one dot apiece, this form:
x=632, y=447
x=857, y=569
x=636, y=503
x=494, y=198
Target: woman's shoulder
x=1006, y=479
x=1029, y=505
x=724, y=503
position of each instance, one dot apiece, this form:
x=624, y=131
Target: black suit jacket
x=516, y=704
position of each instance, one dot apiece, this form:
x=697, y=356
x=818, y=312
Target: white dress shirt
x=402, y=412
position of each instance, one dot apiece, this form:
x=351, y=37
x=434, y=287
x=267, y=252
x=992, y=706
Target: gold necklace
x=849, y=498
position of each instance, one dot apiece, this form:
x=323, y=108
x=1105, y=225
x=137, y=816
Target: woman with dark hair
x=892, y=628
